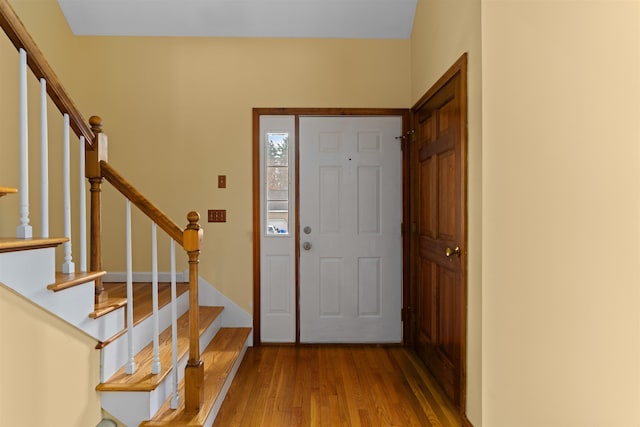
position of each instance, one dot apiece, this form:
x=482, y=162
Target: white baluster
x=175, y=399
x=68, y=266
x=155, y=367
x=131, y=364
x=83, y=210
x=24, y=230
x=44, y=160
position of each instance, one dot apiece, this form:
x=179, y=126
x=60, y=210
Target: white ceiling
x=372, y=19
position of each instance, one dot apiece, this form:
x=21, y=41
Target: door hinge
x=406, y=314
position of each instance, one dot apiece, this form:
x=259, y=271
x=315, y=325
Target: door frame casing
x=297, y=112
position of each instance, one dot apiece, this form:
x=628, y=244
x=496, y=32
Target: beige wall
x=185, y=105
x=561, y=213
x=443, y=30
x=40, y=349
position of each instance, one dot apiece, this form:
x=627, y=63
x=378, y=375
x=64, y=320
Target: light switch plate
x=217, y=215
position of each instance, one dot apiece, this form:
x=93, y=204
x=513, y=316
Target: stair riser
x=128, y=407
x=72, y=305
x=115, y=355
x=131, y=408
x=18, y=267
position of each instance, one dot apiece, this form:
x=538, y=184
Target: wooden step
x=107, y=306
x=219, y=359
x=11, y=244
x=142, y=379
x=66, y=281
x=141, y=301
x=7, y=190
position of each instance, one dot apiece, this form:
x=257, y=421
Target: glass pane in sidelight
x=277, y=182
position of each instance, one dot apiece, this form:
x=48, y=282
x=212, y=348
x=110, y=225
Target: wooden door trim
x=459, y=67
x=297, y=112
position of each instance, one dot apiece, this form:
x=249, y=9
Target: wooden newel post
x=93, y=157
x=194, y=372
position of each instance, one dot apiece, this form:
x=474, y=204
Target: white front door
x=350, y=210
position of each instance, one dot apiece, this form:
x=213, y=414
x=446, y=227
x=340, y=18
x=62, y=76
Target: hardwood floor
x=334, y=385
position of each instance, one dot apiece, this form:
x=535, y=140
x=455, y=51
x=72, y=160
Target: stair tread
x=107, y=306
x=142, y=379
x=142, y=301
x=69, y=280
x=218, y=358
x=10, y=244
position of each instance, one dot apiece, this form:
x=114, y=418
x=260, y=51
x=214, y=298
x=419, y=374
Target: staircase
x=140, y=398
x=155, y=370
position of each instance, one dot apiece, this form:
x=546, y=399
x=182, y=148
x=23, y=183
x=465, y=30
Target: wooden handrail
x=146, y=206
x=21, y=39
x=7, y=190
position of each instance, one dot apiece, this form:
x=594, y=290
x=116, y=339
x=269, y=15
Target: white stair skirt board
x=115, y=354
x=233, y=315
x=73, y=305
x=225, y=388
x=133, y=407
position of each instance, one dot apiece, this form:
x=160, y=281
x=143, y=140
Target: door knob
x=455, y=251
x=306, y=246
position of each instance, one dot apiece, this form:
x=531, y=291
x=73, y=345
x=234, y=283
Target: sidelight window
x=277, y=183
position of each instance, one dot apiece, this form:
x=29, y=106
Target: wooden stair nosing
x=7, y=190
x=104, y=308
x=219, y=358
x=142, y=379
x=12, y=244
x=69, y=280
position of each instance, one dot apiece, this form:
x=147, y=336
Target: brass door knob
x=455, y=251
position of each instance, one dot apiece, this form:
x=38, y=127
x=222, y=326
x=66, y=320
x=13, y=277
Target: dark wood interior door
x=438, y=253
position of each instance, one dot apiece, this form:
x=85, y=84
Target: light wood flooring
x=334, y=385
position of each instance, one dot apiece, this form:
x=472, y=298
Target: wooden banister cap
x=96, y=124
x=192, y=236
x=193, y=217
